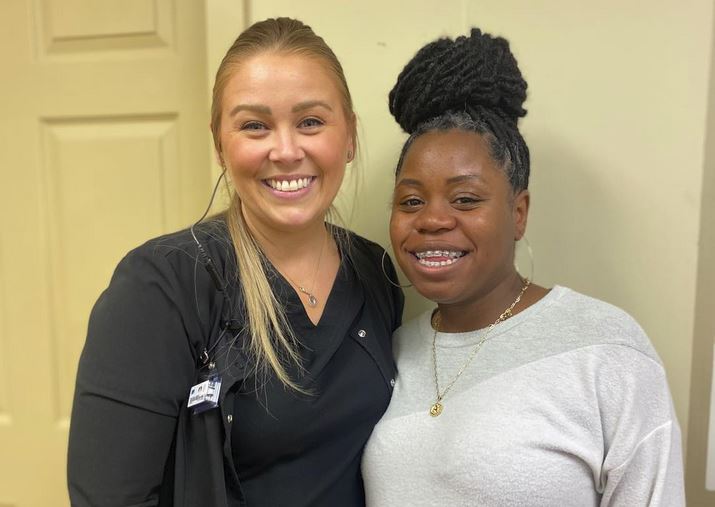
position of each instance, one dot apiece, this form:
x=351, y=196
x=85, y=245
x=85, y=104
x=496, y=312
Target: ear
x=520, y=212
x=352, y=142
x=217, y=149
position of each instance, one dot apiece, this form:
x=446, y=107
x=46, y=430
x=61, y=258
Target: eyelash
x=466, y=200
x=309, y=123
x=414, y=202
x=250, y=125
x=409, y=202
x=317, y=122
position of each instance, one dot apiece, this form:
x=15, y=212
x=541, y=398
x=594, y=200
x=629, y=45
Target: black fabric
x=305, y=449
x=132, y=440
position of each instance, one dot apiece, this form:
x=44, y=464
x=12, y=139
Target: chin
x=440, y=293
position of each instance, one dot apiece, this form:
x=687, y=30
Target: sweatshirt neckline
x=469, y=338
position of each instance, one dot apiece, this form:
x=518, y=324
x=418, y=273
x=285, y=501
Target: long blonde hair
x=272, y=342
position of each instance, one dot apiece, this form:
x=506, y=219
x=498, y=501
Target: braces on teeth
x=439, y=253
x=452, y=257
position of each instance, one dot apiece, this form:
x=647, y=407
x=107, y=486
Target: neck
x=484, y=310
x=285, y=247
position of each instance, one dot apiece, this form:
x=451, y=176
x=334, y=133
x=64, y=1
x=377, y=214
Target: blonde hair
x=272, y=342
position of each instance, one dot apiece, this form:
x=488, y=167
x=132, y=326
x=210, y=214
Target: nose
x=286, y=148
x=435, y=217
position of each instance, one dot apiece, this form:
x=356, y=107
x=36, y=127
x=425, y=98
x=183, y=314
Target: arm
x=643, y=464
x=135, y=371
x=653, y=475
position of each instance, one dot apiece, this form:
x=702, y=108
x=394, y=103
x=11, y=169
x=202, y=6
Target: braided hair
x=469, y=83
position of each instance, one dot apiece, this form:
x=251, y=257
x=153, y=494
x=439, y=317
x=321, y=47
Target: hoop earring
x=531, y=258
x=382, y=265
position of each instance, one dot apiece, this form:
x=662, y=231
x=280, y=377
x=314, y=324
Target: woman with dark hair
x=508, y=393
x=245, y=361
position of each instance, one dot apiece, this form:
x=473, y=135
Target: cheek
x=398, y=228
x=331, y=154
x=244, y=159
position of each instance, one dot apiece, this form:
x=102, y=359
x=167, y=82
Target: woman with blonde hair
x=244, y=361
x=508, y=393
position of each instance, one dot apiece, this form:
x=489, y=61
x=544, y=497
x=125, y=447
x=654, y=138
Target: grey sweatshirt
x=566, y=404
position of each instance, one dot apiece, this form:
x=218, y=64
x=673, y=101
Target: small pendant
x=312, y=301
x=436, y=409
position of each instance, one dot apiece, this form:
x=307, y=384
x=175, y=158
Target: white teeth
x=434, y=264
x=289, y=186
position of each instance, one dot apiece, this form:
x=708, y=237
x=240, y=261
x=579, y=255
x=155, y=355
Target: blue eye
x=253, y=125
x=311, y=122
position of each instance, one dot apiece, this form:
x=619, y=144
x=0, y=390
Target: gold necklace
x=437, y=407
x=312, y=300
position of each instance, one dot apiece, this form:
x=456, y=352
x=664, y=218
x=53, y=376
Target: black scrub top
x=133, y=440
x=305, y=449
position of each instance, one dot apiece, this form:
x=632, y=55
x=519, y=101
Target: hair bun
x=468, y=73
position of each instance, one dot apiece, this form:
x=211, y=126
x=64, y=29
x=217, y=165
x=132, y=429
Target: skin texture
x=282, y=118
x=452, y=196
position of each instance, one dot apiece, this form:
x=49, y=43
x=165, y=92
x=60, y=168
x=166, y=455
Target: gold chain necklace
x=312, y=300
x=437, y=407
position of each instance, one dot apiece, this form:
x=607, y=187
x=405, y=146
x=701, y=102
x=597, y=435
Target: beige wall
x=618, y=95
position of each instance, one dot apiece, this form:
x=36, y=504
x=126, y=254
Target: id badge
x=204, y=395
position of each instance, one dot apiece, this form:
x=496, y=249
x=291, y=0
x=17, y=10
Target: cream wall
x=618, y=96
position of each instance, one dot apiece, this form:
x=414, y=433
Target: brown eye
x=411, y=202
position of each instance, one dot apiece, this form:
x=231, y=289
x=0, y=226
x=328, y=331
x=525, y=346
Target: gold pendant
x=436, y=409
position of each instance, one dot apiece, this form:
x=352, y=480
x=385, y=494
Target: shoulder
x=176, y=254
x=364, y=255
x=362, y=247
x=593, y=322
x=177, y=246
x=413, y=336
x=372, y=267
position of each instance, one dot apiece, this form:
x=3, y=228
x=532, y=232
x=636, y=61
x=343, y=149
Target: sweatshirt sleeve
x=643, y=463
x=134, y=373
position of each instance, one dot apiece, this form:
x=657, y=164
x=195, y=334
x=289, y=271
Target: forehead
x=262, y=76
x=449, y=153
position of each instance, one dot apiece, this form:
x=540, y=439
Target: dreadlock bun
x=475, y=73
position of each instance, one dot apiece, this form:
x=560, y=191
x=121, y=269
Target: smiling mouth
x=289, y=185
x=438, y=258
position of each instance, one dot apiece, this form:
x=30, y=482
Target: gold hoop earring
x=531, y=257
x=382, y=265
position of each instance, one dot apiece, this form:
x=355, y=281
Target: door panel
x=103, y=145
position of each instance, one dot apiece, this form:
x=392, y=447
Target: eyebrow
x=463, y=177
x=409, y=182
x=250, y=107
x=301, y=106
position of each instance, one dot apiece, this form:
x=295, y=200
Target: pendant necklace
x=437, y=407
x=312, y=300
